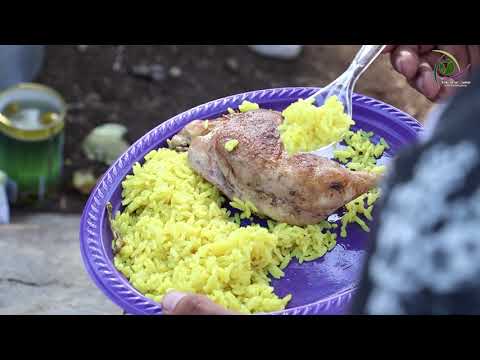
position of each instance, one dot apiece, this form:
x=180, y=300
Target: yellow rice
x=174, y=233
x=361, y=154
x=230, y=145
x=176, y=236
x=248, y=106
x=307, y=127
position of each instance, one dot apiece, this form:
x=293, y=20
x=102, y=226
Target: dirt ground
x=98, y=83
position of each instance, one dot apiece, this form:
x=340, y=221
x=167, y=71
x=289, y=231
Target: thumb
x=178, y=303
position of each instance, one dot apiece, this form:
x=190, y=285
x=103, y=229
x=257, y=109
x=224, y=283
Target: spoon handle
x=364, y=58
x=343, y=86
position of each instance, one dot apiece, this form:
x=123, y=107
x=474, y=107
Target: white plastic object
x=343, y=86
x=283, y=52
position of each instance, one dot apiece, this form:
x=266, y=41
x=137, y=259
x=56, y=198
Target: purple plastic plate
x=322, y=287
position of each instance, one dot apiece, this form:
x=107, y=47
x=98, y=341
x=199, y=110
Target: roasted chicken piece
x=300, y=190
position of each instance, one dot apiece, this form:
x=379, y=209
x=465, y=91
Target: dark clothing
x=425, y=246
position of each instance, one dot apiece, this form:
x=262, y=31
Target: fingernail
x=399, y=65
x=171, y=300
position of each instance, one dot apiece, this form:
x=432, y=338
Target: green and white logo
x=447, y=71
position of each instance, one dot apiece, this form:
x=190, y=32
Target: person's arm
x=425, y=249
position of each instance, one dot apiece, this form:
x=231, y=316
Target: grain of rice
x=248, y=106
x=230, y=145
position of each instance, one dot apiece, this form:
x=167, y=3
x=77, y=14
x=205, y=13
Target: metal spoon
x=343, y=87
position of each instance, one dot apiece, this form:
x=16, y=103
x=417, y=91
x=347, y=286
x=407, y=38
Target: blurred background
x=138, y=87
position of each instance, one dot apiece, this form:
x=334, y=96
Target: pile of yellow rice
x=307, y=127
x=361, y=154
x=174, y=233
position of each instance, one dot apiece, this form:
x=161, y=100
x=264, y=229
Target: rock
x=175, y=72
x=93, y=98
x=232, y=64
x=62, y=203
x=78, y=106
x=154, y=72
x=84, y=181
x=82, y=48
x=54, y=300
x=281, y=52
x=42, y=272
x=119, y=55
x=105, y=143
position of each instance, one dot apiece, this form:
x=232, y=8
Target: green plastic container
x=32, y=121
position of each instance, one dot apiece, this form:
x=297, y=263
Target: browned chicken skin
x=300, y=190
